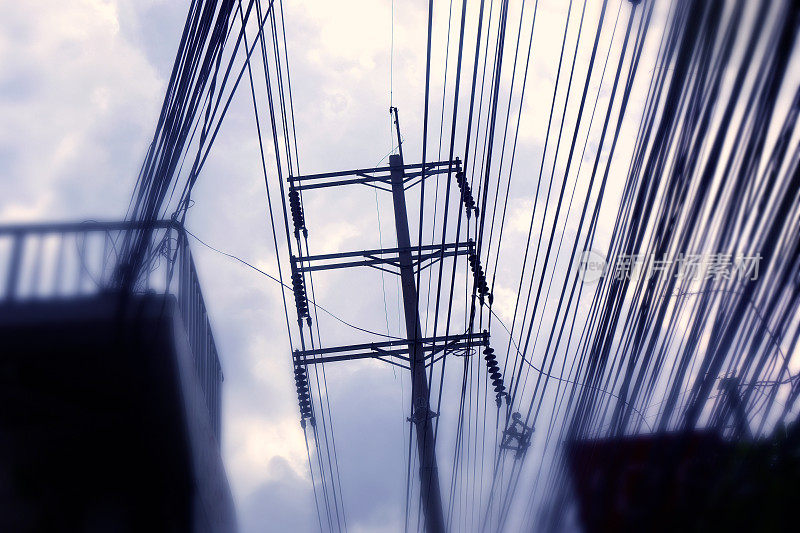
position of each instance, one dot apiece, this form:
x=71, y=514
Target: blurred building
x=693, y=481
x=111, y=399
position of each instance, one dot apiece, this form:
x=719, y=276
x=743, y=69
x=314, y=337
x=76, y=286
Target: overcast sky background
x=81, y=85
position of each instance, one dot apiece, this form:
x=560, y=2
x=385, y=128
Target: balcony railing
x=69, y=260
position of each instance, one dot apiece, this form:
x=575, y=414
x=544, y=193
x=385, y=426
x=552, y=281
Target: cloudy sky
x=80, y=88
x=81, y=84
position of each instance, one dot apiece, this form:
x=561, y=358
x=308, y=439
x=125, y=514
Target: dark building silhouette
x=694, y=481
x=111, y=400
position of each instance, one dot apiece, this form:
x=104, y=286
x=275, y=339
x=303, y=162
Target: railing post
x=36, y=273
x=58, y=272
x=12, y=278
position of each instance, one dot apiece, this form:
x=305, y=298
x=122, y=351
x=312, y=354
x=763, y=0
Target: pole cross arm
x=389, y=351
x=386, y=259
x=456, y=345
x=372, y=177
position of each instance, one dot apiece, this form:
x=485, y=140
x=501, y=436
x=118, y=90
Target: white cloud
x=76, y=104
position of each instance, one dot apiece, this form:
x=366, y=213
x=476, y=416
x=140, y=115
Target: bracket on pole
x=517, y=436
x=373, y=177
x=393, y=352
x=386, y=259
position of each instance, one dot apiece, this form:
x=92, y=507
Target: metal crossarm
x=373, y=176
x=390, y=351
x=383, y=259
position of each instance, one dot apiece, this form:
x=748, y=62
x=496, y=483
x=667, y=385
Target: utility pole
x=414, y=353
x=421, y=413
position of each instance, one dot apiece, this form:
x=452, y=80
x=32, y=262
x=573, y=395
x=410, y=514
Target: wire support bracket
x=517, y=436
x=385, y=259
x=394, y=352
x=379, y=177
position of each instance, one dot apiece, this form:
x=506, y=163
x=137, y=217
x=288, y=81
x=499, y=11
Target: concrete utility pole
x=421, y=413
x=413, y=352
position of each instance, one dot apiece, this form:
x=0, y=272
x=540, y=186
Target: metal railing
x=40, y=262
